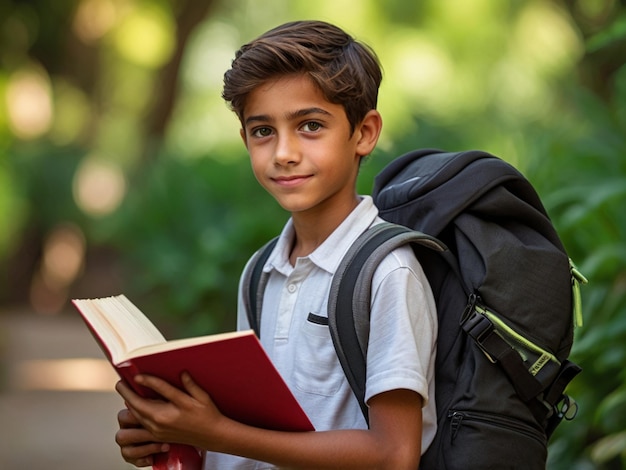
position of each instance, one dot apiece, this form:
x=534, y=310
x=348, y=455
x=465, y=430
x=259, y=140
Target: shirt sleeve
x=403, y=330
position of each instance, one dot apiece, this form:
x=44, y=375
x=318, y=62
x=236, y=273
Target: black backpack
x=507, y=298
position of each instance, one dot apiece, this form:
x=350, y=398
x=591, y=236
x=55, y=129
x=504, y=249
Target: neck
x=313, y=228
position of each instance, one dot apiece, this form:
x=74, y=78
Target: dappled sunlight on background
x=99, y=186
x=29, y=104
x=145, y=35
x=203, y=124
x=62, y=259
x=93, y=19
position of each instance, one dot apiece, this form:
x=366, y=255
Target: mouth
x=290, y=181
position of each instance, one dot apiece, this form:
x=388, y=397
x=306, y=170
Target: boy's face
x=301, y=148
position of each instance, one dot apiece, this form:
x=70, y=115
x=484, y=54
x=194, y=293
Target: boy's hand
x=185, y=417
x=135, y=442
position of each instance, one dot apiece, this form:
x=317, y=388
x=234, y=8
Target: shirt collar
x=328, y=255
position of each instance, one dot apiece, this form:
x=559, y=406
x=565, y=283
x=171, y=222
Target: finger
x=131, y=437
x=126, y=392
x=161, y=387
x=127, y=419
x=144, y=462
x=136, y=405
x=194, y=389
x=142, y=455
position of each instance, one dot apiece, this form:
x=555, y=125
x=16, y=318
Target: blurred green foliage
x=584, y=184
x=540, y=83
x=188, y=229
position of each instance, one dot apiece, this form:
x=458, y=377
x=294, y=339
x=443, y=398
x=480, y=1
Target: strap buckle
x=477, y=326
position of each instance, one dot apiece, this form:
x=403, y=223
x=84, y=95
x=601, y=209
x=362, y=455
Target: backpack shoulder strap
x=350, y=294
x=253, y=285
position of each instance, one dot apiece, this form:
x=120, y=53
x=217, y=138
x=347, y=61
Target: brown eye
x=312, y=126
x=261, y=132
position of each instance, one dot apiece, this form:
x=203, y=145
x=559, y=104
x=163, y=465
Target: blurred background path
x=57, y=404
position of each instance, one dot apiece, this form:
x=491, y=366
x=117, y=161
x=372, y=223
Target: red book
x=232, y=367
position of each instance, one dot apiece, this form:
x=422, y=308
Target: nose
x=287, y=151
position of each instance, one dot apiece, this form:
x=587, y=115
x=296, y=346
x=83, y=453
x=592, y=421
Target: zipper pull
x=577, y=280
x=469, y=308
x=456, y=417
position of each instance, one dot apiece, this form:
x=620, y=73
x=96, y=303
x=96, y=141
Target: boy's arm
x=393, y=440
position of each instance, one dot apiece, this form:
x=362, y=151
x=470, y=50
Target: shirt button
x=292, y=288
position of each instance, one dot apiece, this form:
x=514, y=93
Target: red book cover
x=236, y=372
x=233, y=368
x=179, y=457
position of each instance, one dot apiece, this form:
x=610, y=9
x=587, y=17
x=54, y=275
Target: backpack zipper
x=457, y=417
x=577, y=280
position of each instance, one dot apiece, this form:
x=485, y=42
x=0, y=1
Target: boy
x=305, y=93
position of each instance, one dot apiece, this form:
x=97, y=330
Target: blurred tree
x=109, y=71
x=188, y=15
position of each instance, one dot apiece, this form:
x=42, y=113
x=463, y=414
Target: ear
x=368, y=132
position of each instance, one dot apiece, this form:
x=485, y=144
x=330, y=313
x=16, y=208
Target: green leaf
x=609, y=447
x=616, y=32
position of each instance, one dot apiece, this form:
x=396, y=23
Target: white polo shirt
x=403, y=331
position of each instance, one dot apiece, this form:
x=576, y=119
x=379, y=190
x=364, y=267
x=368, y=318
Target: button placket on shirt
x=289, y=298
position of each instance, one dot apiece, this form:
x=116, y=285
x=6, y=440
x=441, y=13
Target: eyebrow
x=292, y=115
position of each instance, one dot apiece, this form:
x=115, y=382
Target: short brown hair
x=345, y=70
